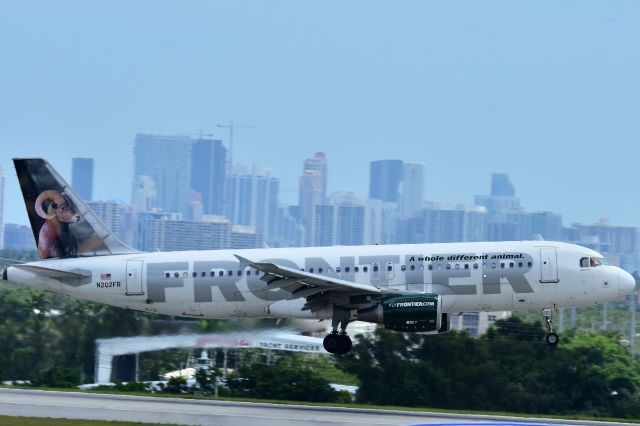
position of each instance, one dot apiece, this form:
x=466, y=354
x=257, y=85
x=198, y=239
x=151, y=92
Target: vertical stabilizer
x=62, y=224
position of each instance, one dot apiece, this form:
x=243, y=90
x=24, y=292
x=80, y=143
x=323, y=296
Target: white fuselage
x=488, y=276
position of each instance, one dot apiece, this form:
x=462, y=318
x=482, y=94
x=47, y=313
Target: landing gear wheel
x=552, y=339
x=337, y=343
x=348, y=344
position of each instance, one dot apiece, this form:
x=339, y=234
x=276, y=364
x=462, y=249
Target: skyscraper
x=82, y=177
x=2, y=178
x=208, y=173
x=385, y=177
x=411, y=191
x=502, y=186
x=312, y=192
x=252, y=200
x=167, y=161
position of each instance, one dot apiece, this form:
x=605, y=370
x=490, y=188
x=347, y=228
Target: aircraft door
x=548, y=265
x=134, y=278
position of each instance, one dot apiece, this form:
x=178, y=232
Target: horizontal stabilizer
x=57, y=274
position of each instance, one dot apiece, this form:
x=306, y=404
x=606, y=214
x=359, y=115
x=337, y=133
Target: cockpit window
x=584, y=262
x=603, y=261
x=594, y=261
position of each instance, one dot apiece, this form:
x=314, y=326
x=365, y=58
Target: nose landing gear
x=551, y=338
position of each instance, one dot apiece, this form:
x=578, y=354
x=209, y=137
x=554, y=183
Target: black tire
x=552, y=339
x=332, y=343
x=345, y=344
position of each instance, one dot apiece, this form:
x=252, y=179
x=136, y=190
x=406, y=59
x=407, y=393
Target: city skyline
x=545, y=92
x=287, y=199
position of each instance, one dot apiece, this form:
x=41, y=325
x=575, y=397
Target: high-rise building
x=318, y=163
x=385, y=177
x=411, y=191
x=82, y=177
x=312, y=192
x=119, y=218
x=157, y=231
x=244, y=237
x=252, y=200
x=208, y=173
x=2, y=179
x=501, y=185
x=450, y=224
x=167, y=161
x=18, y=237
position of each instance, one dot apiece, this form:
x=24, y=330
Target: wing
x=319, y=290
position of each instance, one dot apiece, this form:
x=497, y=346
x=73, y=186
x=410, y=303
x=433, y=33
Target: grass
x=46, y=421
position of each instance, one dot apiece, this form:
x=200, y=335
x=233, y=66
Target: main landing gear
x=551, y=338
x=338, y=342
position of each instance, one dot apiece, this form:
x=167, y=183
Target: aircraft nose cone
x=627, y=283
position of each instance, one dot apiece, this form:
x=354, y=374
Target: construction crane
x=231, y=126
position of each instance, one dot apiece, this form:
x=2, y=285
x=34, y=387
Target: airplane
x=405, y=287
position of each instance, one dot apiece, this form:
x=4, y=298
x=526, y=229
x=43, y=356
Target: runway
x=77, y=405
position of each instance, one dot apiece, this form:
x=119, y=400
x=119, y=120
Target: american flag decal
x=105, y=276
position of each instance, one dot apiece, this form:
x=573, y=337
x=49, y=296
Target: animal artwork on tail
x=54, y=238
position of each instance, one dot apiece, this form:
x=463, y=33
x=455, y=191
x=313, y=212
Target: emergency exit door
x=548, y=265
x=134, y=277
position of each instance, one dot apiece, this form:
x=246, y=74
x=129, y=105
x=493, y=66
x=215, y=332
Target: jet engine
x=417, y=312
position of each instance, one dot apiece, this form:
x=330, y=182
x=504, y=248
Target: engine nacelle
x=419, y=312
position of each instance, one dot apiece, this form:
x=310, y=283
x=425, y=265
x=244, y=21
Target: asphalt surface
x=77, y=405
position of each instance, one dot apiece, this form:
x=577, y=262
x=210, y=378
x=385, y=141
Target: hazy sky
x=547, y=92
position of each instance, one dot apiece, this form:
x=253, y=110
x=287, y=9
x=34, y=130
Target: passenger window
x=511, y=264
x=422, y=267
x=519, y=264
x=328, y=270
x=203, y=274
x=389, y=268
x=501, y=265
x=448, y=266
x=356, y=269
x=311, y=270
x=375, y=268
x=176, y=275
x=221, y=273
x=413, y=267
x=346, y=269
x=185, y=275
x=212, y=273
x=257, y=272
x=337, y=269
x=493, y=265
x=365, y=269
x=248, y=272
x=457, y=266
x=466, y=266
x=230, y=273
x=475, y=266
x=430, y=267
x=195, y=274
x=239, y=273
x=167, y=275
x=529, y=264
x=319, y=270
x=403, y=267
